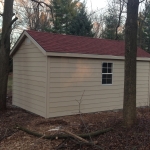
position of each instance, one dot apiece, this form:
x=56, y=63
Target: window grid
x=107, y=69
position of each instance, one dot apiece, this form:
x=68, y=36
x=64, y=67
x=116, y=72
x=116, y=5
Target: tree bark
x=4, y=51
x=129, y=106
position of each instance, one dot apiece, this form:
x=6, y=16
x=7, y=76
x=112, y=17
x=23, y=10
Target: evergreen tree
x=110, y=27
x=114, y=29
x=70, y=17
x=146, y=34
x=81, y=25
x=64, y=11
x=144, y=28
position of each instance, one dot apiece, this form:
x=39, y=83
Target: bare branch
x=49, y=6
x=123, y=1
x=119, y=20
x=39, y=3
x=9, y=29
x=80, y=113
x=142, y=1
x=74, y=136
x=14, y=20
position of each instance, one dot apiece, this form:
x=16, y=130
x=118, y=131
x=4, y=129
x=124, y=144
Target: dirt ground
x=120, y=138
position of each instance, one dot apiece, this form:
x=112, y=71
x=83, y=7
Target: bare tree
x=36, y=16
x=98, y=23
x=114, y=12
x=5, y=49
x=117, y=8
x=121, y=8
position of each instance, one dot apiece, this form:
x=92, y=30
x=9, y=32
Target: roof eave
x=21, y=39
x=92, y=56
x=57, y=54
x=17, y=44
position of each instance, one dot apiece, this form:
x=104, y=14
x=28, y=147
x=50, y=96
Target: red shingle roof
x=51, y=42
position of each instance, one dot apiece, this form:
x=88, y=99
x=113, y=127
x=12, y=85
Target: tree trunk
x=4, y=51
x=129, y=106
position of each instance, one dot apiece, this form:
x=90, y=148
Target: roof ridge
x=73, y=35
x=60, y=43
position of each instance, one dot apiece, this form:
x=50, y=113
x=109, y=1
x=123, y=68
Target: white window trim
x=107, y=73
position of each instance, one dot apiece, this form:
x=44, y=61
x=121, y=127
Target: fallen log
x=63, y=136
x=74, y=136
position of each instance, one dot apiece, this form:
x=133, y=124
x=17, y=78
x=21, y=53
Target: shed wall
x=70, y=78
x=29, y=78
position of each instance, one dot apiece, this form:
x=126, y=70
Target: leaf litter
x=135, y=138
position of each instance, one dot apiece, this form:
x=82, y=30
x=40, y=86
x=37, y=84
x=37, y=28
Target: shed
x=53, y=72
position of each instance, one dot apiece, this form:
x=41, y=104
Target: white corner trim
x=92, y=56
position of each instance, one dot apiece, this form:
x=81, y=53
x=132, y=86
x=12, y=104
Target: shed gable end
x=29, y=78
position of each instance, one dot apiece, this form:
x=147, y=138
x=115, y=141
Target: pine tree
x=81, y=25
x=146, y=34
x=110, y=27
x=64, y=11
x=144, y=28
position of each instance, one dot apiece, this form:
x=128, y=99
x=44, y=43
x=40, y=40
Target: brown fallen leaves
x=136, y=138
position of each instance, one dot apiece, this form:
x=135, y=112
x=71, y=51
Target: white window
x=107, y=72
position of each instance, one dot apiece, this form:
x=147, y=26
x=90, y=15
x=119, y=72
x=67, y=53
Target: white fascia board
x=15, y=46
x=83, y=55
x=93, y=56
x=38, y=46
x=143, y=58
x=25, y=34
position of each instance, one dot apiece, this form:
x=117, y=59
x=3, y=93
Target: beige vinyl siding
x=69, y=78
x=142, y=83
x=29, y=78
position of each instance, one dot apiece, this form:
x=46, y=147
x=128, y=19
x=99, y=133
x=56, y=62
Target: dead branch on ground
x=68, y=134
x=63, y=136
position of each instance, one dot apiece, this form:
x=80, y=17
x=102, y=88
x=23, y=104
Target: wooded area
x=122, y=20
x=63, y=17
x=72, y=17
